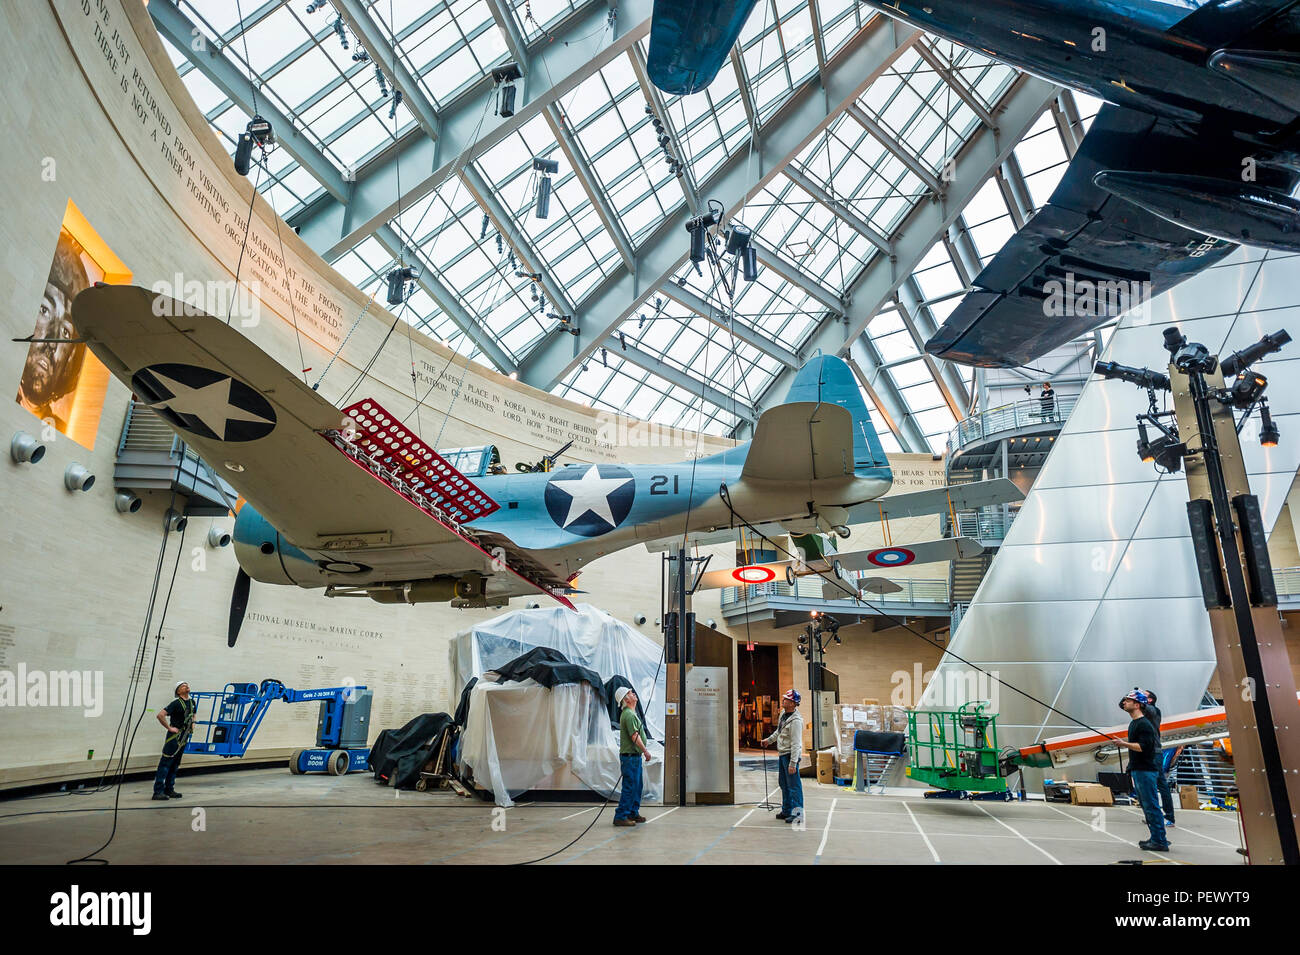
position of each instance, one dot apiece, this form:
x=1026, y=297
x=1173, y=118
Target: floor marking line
x=1022, y=836
x=1090, y=826
x=928, y=844
x=579, y=812
x=1142, y=815
x=661, y=815
x=826, y=831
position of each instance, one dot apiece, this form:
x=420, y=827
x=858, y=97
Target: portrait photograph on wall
x=62, y=383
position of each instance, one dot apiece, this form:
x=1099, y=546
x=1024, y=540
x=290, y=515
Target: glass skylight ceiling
x=821, y=219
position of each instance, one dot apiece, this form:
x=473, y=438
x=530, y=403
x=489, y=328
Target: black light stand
x=1236, y=577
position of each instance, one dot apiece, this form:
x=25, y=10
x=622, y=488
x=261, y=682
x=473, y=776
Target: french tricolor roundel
x=891, y=557
x=754, y=575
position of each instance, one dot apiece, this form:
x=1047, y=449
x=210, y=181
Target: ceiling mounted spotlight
x=547, y=167
x=1268, y=432
x=78, y=478
x=126, y=502
x=25, y=449
x=504, y=77
x=218, y=537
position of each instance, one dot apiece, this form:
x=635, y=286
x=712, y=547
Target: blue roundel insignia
x=590, y=500
x=891, y=557
x=208, y=403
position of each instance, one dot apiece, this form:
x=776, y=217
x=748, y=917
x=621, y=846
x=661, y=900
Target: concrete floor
x=269, y=816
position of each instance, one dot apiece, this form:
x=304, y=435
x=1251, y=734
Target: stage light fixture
x=342, y=33
x=397, y=279
x=258, y=132
x=1268, y=432
x=504, y=77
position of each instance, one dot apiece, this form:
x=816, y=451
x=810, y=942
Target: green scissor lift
x=956, y=750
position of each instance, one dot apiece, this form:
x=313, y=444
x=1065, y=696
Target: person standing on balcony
x=1047, y=401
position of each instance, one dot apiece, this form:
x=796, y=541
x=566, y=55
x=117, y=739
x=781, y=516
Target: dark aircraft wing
x=1082, y=259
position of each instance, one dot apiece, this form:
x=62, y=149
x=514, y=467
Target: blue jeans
x=791, y=787
x=629, y=800
x=1144, y=784
x=164, y=781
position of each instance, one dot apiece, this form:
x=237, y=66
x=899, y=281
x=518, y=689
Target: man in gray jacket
x=789, y=744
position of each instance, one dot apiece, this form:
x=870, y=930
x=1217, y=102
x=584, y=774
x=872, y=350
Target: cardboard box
x=844, y=766
x=1189, y=797
x=826, y=766
x=870, y=702
x=1091, y=794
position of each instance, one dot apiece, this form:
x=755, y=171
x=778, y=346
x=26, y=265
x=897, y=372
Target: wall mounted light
x=25, y=449
x=126, y=502
x=78, y=478
x=218, y=536
x=176, y=521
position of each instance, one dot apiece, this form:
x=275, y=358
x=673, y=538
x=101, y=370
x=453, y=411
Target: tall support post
x=685, y=620
x=1259, y=692
x=678, y=630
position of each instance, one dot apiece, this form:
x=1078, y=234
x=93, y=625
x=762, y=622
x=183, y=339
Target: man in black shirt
x=1162, y=776
x=1144, y=746
x=177, y=717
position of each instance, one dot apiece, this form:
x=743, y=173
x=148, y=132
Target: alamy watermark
x=82, y=689
x=228, y=299
x=1075, y=297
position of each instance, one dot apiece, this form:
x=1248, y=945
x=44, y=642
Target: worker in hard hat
x=1143, y=744
x=177, y=717
x=631, y=750
x=788, y=739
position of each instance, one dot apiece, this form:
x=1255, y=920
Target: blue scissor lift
x=234, y=714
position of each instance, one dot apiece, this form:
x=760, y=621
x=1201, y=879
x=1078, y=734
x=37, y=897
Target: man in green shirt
x=631, y=749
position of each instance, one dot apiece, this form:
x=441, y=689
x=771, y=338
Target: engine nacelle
x=270, y=559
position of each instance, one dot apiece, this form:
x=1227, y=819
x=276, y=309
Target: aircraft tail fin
x=828, y=379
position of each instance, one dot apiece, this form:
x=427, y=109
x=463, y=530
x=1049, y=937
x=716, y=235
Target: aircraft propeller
x=238, y=605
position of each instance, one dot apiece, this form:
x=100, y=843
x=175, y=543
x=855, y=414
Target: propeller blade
x=238, y=605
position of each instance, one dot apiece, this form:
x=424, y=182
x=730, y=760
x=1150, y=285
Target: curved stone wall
x=96, y=116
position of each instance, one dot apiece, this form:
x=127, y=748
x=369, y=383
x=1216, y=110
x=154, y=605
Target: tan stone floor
x=269, y=816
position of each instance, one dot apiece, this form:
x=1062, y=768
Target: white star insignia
x=210, y=404
x=591, y=493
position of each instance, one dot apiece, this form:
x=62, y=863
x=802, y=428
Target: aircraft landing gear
x=842, y=530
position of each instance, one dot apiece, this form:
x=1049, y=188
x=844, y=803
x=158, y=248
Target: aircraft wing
x=801, y=441
x=880, y=558
x=239, y=408
x=1083, y=258
x=960, y=497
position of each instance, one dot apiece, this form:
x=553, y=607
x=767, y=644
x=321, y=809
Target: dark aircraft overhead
x=1197, y=153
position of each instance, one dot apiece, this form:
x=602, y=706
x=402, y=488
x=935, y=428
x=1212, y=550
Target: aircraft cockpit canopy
x=474, y=462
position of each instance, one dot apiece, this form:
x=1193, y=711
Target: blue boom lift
x=234, y=714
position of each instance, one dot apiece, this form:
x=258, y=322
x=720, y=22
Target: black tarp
x=612, y=684
x=398, y=755
x=550, y=667
x=866, y=741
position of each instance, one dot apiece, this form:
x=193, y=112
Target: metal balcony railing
x=1019, y=415
x=985, y=523
x=918, y=591
x=1287, y=580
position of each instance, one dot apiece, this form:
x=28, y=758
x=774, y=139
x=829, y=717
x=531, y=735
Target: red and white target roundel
x=891, y=557
x=754, y=575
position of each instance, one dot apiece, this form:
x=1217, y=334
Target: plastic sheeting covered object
x=521, y=735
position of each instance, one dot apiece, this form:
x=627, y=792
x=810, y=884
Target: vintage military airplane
x=1197, y=151
x=352, y=501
